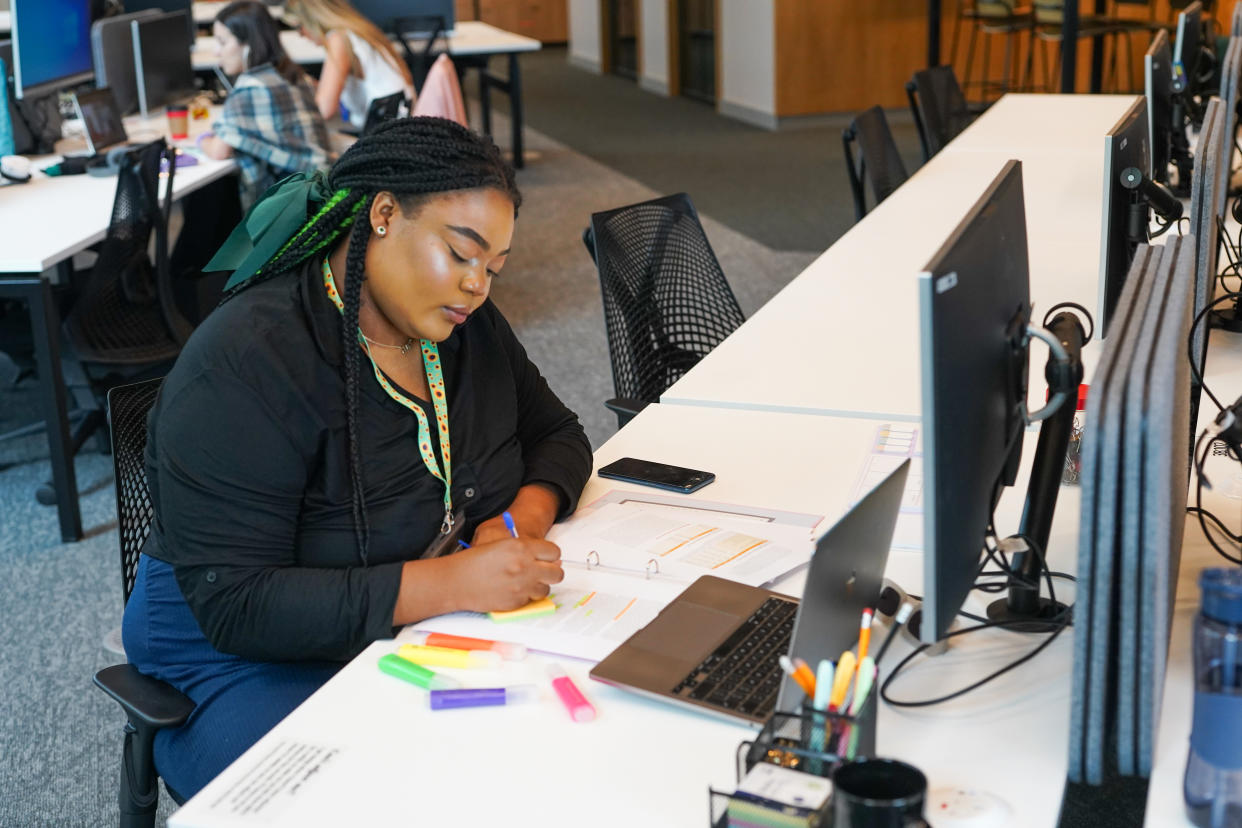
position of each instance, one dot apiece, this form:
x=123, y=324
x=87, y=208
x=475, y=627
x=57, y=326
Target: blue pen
x=509, y=523
x=463, y=544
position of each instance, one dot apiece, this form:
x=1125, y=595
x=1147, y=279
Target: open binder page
x=595, y=612
x=641, y=538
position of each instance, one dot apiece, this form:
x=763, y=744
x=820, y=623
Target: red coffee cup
x=178, y=122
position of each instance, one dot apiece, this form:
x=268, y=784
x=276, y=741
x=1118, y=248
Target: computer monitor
x=162, y=63
x=1129, y=197
x=1158, y=81
x=1187, y=49
x=1229, y=77
x=165, y=6
x=112, y=42
x=974, y=307
x=51, y=45
x=381, y=12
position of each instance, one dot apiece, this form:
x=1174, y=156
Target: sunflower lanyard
x=435, y=384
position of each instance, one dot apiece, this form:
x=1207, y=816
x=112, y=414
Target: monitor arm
x=1023, y=607
x=1144, y=193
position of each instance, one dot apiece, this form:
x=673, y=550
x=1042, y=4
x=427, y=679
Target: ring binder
x=592, y=562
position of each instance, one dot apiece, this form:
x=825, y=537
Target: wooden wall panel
x=544, y=20
x=834, y=57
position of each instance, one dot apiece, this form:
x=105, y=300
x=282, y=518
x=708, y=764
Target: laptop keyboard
x=743, y=674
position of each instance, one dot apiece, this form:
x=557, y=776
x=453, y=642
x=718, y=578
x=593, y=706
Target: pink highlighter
x=580, y=710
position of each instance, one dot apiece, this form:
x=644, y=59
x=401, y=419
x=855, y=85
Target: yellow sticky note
x=535, y=609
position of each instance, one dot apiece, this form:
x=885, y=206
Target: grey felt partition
x=1134, y=478
x=1230, y=68
x=1202, y=216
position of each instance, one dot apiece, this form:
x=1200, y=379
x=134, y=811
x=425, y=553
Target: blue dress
x=238, y=700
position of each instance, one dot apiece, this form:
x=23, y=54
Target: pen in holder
x=809, y=741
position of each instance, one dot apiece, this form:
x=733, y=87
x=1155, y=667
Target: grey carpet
x=59, y=760
x=786, y=189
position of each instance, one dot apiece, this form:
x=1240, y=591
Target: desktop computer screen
x=51, y=45
x=165, y=71
x=1187, y=48
x=1125, y=211
x=974, y=306
x=1158, y=81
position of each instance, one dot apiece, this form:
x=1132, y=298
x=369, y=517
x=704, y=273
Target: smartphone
x=660, y=475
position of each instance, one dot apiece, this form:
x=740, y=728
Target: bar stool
x=994, y=17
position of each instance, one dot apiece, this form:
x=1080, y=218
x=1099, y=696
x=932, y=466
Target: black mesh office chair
x=382, y=110
x=124, y=322
x=877, y=162
x=409, y=29
x=666, y=301
x=149, y=704
x=939, y=108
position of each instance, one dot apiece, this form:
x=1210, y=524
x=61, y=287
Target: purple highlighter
x=482, y=696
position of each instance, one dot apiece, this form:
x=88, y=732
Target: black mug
x=878, y=793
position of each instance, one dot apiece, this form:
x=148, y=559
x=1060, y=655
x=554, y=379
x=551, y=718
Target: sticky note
x=535, y=609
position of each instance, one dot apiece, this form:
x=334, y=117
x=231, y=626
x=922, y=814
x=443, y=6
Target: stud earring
x=381, y=230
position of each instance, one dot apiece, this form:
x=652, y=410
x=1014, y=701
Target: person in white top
x=360, y=62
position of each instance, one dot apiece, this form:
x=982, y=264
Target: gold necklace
x=404, y=349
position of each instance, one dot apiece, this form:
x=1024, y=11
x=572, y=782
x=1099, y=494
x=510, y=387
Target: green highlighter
x=395, y=665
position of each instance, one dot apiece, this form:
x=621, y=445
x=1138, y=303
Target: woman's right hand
x=505, y=574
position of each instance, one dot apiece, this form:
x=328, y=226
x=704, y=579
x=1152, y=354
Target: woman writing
x=355, y=398
x=360, y=63
x=269, y=122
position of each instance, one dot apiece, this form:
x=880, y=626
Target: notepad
x=535, y=609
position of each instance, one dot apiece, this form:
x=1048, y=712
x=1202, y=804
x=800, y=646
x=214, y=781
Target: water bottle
x=6, y=121
x=1213, y=785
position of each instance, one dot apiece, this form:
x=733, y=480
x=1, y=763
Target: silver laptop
x=101, y=119
x=716, y=646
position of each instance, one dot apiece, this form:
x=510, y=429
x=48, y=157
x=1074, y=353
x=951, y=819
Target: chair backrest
x=939, y=107
x=877, y=161
x=415, y=27
x=667, y=303
x=127, y=311
x=383, y=109
x=128, y=407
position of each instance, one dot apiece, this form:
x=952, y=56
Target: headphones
x=15, y=168
x=108, y=165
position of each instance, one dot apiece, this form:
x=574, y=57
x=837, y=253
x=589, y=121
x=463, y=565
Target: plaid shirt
x=274, y=128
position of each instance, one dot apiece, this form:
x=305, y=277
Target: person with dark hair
x=355, y=403
x=270, y=122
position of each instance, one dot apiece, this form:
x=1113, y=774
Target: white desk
x=471, y=45
x=1164, y=796
x=647, y=763
x=205, y=11
x=1044, y=123
x=46, y=222
x=843, y=337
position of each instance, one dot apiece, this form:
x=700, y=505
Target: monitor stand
x=1024, y=609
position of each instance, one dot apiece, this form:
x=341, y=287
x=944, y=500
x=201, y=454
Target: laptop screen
x=101, y=119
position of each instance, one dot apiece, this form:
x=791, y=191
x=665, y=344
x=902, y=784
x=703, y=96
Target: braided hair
x=414, y=159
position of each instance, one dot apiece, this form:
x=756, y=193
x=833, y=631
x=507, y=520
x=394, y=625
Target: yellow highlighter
x=445, y=657
x=535, y=609
x=841, y=681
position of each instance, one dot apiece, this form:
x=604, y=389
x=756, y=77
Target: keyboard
x=744, y=674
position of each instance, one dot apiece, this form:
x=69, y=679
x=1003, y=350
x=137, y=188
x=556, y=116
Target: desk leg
x=515, y=110
x=1069, y=47
x=45, y=324
x=485, y=99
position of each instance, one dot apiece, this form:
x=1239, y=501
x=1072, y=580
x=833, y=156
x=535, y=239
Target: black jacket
x=248, y=467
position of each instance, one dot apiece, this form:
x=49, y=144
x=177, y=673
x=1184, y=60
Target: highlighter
x=580, y=710
x=482, y=697
x=397, y=666
x=444, y=657
x=507, y=649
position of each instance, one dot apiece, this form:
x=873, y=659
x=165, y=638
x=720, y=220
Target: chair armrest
x=625, y=407
x=146, y=700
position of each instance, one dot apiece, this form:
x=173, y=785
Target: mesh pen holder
x=809, y=741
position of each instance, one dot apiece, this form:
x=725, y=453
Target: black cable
x=1065, y=618
x=1217, y=522
x=1200, y=459
x=1190, y=345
